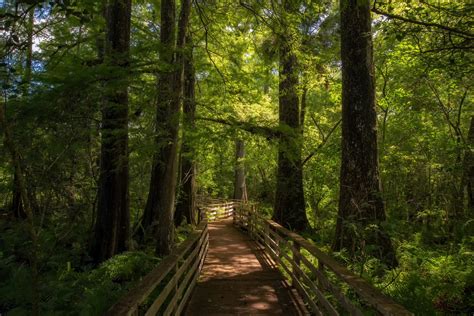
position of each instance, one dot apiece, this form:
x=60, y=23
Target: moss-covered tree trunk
x=186, y=206
x=163, y=168
x=468, y=176
x=240, y=187
x=289, y=208
x=361, y=207
x=17, y=205
x=159, y=210
x=112, y=227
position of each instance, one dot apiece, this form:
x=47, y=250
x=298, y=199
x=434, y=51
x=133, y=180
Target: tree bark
x=186, y=206
x=361, y=207
x=112, y=227
x=303, y=108
x=159, y=209
x=289, y=208
x=240, y=188
x=17, y=205
x=469, y=169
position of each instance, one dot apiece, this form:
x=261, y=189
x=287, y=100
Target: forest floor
x=238, y=279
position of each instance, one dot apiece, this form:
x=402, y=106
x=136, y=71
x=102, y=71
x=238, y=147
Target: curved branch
x=268, y=132
x=323, y=142
x=428, y=24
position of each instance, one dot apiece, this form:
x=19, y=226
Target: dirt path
x=238, y=279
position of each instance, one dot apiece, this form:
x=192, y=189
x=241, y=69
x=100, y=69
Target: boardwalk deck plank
x=239, y=279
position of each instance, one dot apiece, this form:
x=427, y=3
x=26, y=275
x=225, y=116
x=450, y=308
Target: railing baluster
x=296, y=258
x=266, y=233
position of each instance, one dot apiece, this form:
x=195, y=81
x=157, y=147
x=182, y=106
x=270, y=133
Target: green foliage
x=71, y=290
x=433, y=281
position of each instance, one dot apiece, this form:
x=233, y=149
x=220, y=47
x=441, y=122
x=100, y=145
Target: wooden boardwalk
x=239, y=279
x=237, y=276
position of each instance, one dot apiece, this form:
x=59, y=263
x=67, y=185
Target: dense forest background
x=115, y=116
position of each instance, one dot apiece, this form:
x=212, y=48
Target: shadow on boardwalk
x=239, y=279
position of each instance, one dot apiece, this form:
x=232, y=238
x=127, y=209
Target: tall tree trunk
x=468, y=171
x=29, y=50
x=303, y=108
x=240, y=188
x=289, y=208
x=361, y=207
x=17, y=205
x=161, y=196
x=186, y=206
x=456, y=212
x=112, y=226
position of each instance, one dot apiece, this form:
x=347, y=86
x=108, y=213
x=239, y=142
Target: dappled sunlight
x=239, y=278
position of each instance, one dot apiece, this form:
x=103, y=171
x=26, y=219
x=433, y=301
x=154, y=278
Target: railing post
x=176, y=284
x=203, y=213
x=254, y=222
x=321, y=270
x=296, y=258
x=250, y=221
x=233, y=214
x=266, y=229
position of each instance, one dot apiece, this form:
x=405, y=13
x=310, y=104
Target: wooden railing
x=318, y=278
x=213, y=210
x=166, y=290
x=326, y=286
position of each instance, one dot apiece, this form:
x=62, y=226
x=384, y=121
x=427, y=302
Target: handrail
x=216, y=210
x=175, y=277
x=312, y=273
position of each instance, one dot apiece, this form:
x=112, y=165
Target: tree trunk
x=289, y=208
x=240, y=188
x=161, y=197
x=112, y=227
x=361, y=207
x=186, y=207
x=469, y=169
x=17, y=205
x=303, y=108
x=456, y=211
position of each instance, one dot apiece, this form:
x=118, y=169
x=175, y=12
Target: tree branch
x=206, y=36
x=268, y=132
x=323, y=142
x=427, y=24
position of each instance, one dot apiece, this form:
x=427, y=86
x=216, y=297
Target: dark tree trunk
x=17, y=205
x=469, y=169
x=240, y=188
x=186, y=206
x=303, y=108
x=159, y=209
x=29, y=50
x=112, y=227
x=361, y=207
x=289, y=208
x=166, y=121
x=456, y=213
